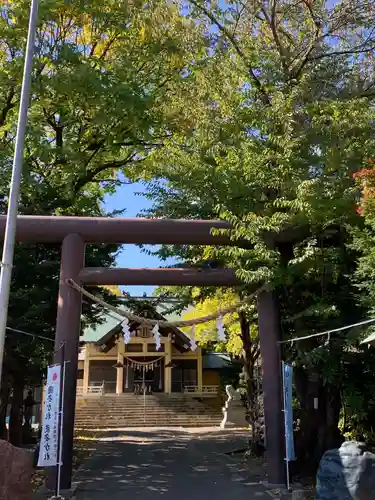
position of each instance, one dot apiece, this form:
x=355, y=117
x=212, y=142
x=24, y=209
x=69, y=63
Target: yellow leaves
x=85, y=34
x=100, y=48
x=142, y=34
x=206, y=332
x=113, y=289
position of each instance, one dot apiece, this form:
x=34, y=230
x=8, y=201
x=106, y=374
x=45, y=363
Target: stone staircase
x=159, y=410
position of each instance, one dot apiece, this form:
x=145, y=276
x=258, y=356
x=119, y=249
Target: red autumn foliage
x=366, y=177
x=364, y=173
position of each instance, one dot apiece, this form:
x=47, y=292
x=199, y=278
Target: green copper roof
x=111, y=320
x=94, y=333
x=216, y=361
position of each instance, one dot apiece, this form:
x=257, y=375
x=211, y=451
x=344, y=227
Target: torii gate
x=75, y=232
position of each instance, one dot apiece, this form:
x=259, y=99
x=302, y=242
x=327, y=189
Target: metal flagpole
x=11, y=222
x=285, y=428
x=60, y=440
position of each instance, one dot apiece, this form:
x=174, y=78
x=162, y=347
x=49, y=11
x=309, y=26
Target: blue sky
x=127, y=198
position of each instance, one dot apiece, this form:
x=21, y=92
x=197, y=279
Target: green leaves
x=104, y=77
x=103, y=80
x=282, y=117
x=272, y=154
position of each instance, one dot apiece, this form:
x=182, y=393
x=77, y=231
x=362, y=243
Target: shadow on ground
x=172, y=464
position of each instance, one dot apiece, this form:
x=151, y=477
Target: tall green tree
x=103, y=76
x=283, y=117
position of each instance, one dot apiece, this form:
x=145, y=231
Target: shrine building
x=109, y=365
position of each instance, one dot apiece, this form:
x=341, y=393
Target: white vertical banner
x=50, y=429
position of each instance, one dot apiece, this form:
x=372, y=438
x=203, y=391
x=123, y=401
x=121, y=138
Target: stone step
x=141, y=409
x=141, y=421
x=147, y=424
x=148, y=403
x=134, y=415
x=120, y=401
x=128, y=410
x=150, y=397
x=150, y=415
x=137, y=410
x=140, y=402
x=190, y=407
x=125, y=422
x=193, y=407
x=119, y=404
x=166, y=408
x=161, y=423
x=114, y=425
x=154, y=415
x=140, y=417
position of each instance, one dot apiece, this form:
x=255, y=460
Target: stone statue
x=232, y=393
x=234, y=412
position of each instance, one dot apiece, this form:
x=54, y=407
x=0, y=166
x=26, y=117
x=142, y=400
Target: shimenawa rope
x=163, y=323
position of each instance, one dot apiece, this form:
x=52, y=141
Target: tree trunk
x=319, y=417
x=4, y=400
x=15, y=421
x=249, y=356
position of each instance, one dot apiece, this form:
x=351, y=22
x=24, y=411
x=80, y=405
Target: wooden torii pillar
x=75, y=232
